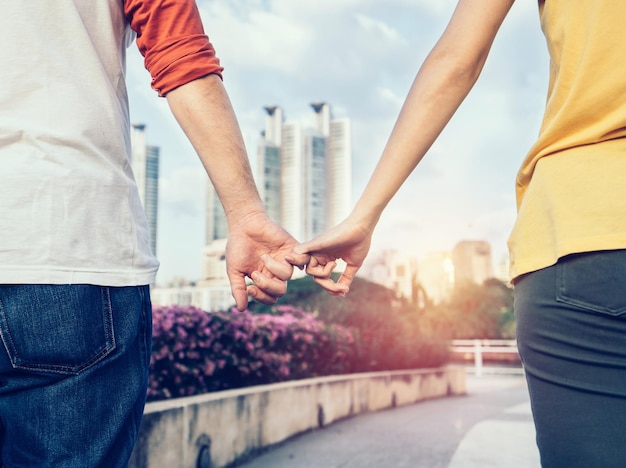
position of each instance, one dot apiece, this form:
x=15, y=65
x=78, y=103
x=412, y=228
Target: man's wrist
x=246, y=215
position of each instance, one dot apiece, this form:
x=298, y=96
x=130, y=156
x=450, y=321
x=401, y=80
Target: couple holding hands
x=75, y=261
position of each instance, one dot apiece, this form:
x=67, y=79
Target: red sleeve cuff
x=171, y=38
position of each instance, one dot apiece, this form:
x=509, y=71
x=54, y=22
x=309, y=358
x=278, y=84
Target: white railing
x=481, y=347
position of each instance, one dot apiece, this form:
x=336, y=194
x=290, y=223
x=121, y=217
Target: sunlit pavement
x=490, y=427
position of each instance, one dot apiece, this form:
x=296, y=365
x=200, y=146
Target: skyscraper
x=472, y=262
x=216, y=227
x=268, y=160
x=312, y=167
x=145, y=165
x=291, y=180
x=339, y=171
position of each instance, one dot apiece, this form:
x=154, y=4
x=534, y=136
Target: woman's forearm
x=441, y=85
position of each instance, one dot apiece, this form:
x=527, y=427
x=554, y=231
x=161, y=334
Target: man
x=75, y=260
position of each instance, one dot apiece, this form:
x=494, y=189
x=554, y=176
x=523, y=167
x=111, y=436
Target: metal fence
x=481, y=350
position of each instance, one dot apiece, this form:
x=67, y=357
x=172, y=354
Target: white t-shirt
x=69, y=207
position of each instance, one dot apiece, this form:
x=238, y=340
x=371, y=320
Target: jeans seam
x=8, y=340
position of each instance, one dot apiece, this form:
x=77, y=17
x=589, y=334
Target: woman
x=568, y=261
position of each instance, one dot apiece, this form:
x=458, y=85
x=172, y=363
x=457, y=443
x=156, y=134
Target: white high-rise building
x=216, y=226
x=145, y=165
x=216, y=233
x=314, y=169
x=268, y=156
x=339, y=171
x=314, y=196
x=268, y=163
x=291, y=180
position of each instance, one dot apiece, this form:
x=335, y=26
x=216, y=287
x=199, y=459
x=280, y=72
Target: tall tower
x=304, y=175
x=273, y=124
x=216, y=227
x=472, y=262
x=338, y=164
x=291, y=179
x=339, y=171
x=321, y=117
x=145, y=165
x=269, y=163
x=313, y=185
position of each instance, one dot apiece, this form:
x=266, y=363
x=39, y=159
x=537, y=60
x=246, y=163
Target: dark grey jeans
x=571, y=331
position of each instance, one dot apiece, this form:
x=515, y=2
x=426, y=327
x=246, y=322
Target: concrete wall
x=216, y=429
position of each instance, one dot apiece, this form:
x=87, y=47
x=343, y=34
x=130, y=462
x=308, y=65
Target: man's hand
x=256, y=248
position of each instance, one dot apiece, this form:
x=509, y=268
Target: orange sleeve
x=172, y=41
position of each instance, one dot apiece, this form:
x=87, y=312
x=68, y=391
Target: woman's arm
x=442, y=83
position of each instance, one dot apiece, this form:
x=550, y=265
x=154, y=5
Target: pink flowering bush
x=196, y=352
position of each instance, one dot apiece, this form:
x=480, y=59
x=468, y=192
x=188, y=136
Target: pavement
x=489, y=427
x=506, y=439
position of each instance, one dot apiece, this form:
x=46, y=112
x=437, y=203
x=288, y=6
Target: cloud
x=256, y=39
x=377, y=26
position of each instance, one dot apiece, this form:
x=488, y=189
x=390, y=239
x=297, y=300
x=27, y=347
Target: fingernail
x=255, y=276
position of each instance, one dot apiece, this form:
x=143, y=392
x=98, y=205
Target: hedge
x=196, y=352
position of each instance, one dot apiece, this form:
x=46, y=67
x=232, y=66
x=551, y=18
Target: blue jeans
x=571, y=330
x=73, y=374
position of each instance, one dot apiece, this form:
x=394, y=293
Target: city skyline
x=361, y=57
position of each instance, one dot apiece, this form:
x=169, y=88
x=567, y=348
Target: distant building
x=208, y=297
x=214, y=262
x=472, y=262
x=145, y=165
x=436, y=276
x=339, y=171
x=304, y=174
x=269, y=190
x=216, y=227
x=291, y=180
x=394, y=270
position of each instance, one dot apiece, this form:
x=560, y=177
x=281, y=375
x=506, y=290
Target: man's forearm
x=203, y=110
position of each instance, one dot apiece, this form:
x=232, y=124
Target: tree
x=387, y=328
x=475, y=311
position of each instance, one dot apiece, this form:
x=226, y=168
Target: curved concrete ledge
x=215, y=430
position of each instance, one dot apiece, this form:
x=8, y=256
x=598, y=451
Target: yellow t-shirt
x=571, y=188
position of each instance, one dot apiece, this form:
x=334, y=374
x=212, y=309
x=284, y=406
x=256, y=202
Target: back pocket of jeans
x=594, y=281
x=56, y=328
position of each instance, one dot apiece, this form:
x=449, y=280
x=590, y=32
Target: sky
x=360, y=56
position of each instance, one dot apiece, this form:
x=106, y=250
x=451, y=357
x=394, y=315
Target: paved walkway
x=490, y=427
x=507, y=439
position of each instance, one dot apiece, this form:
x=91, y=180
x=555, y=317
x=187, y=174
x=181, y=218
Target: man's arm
x=185, y=69
x=256, y=246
